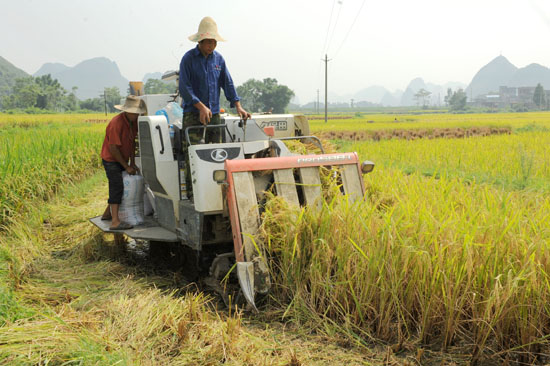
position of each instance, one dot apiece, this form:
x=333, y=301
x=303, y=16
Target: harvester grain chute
x=217, y=225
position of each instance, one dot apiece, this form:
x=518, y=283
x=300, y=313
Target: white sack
x=131, y=208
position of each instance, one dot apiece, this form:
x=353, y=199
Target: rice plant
x=36, y=159
x=422, y=260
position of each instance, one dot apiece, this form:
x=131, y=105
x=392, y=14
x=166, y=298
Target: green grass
x=11, y=309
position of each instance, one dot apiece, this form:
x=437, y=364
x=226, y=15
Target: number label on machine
x=279, y=125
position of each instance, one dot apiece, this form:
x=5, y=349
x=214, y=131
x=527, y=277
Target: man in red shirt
x=118, y=154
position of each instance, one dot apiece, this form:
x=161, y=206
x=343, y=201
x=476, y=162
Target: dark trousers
x=213, y=135
x=114, y=170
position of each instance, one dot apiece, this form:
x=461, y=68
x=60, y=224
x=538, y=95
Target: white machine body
x=164, y=168
x=242, y=139
x=204, y=160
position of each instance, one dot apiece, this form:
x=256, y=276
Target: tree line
x=456, y=101
x=43, y=93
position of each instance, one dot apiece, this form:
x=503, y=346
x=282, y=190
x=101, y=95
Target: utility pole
x=104, y=99
x=351, y=103
x=317, y=101
x=326, y=87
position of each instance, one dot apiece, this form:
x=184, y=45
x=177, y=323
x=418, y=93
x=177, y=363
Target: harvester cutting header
x=208, y=173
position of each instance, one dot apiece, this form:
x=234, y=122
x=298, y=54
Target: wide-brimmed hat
x=208, y=29
x=132, y=104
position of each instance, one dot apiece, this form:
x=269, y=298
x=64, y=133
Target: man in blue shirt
x=202, y=74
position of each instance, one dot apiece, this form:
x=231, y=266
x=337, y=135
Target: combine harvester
x=217, y=228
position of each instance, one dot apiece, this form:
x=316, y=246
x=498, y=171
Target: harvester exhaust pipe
x=245, y=272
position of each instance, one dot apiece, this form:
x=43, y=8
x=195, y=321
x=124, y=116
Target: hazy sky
x=391, y=41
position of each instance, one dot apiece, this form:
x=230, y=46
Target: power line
x=350, y=28
x=328, y=28
x=335, y=24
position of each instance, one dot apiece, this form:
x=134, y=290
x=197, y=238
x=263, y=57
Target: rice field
x=423, y=260
x=516, y=161
x=450, y=248
x=374, y=122
x=449, y=252
x=39, y=154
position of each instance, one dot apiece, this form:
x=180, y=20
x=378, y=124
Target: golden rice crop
x=451, y=247
x=517, y=161
x=421, y=260
x=36, y=158
x=434, y=255
x=372, y=122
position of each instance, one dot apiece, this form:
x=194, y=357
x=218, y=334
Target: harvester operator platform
x=202, y=74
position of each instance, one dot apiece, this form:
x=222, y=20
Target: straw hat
x=132, y=104
x=208, y=29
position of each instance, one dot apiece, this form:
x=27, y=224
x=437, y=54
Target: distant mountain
x=501, y=72
x=382, y=96
x=531, y=75
x=373, y=94
x=392, y=99
x=490, y=77
x=438, y=91
x=90, y=76
x=414, y=86
x=8, y=74
x=51, y=68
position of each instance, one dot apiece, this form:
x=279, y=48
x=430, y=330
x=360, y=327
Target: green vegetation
x=539, y=97
x=422, y=97
x=8, y=74
x=39, y=92
x=42, y=93
x=456, y=100
x=110, y=98
x=36, y=160
x=264, y=96
x=450, y=248
x=156, y=86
